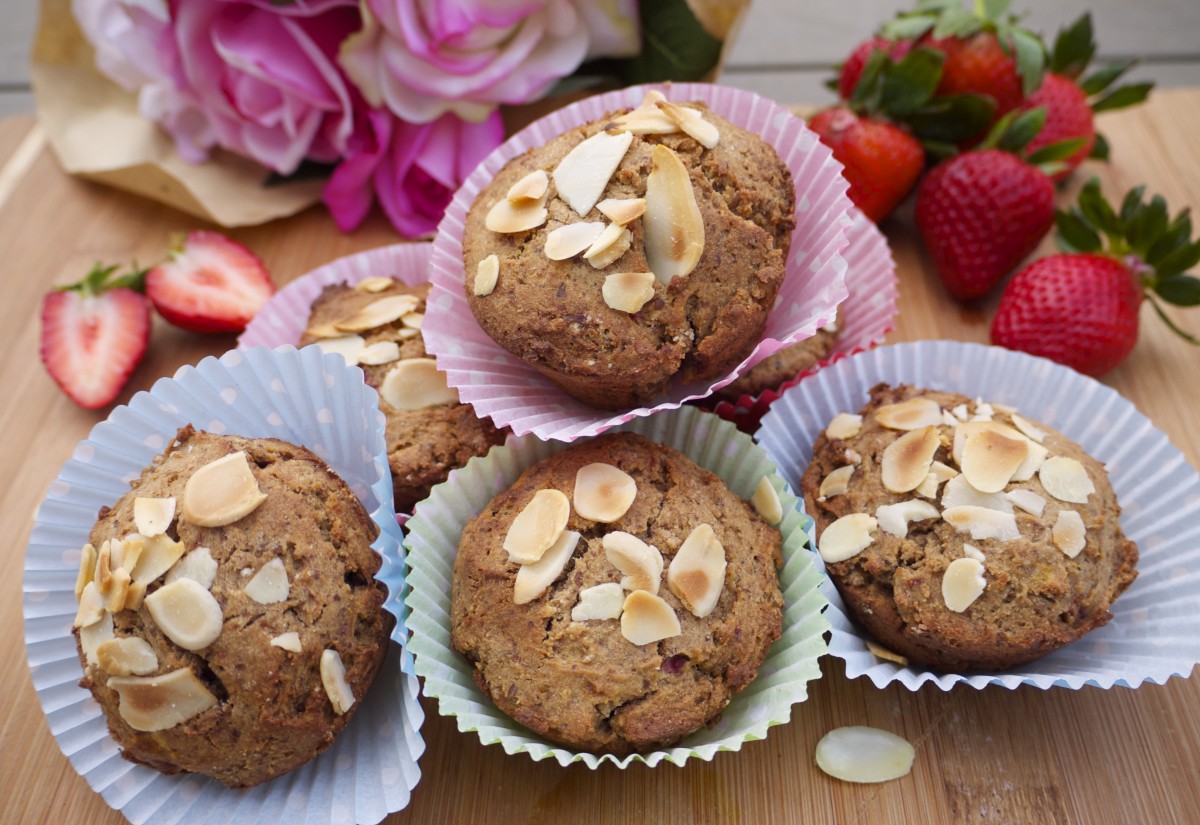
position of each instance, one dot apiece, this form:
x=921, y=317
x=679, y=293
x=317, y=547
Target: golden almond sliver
x=970, y=551
x=692, y=123
x=570, y=239
x=270, y=584
x=894, y=518
x=1027, y=500
x=646, y=619
x=333, y=678
x=416, y=383
x=697, y=571
x=766, y=502
x=1069, y=534
x=379, y=313
x=843, y=426
x=962, y=583
x=906, y=461
x=607, y=238
x=350, y=347
x=537, y=527
x=87, y=569
x=534, y=579
x=958, y=492
x=153, y=515
x=599, y=603
x=186, y=613
x=673, y=226
x=1028, y=428
x=289, y=641
x=1066, y=479
x=506, y=219
x=153, y=703
x=118, y=592
x=981, y=523
x=158, y=555
x=837, y=482
x=581, y=177
x=532, y=187
x=603, y=492
x=486, y=275
x=222, y=492
x=628, y=291
x=912, y=414
x=376, y=283
x=610, y=254
x=324, y=330
x=126, y=656
x=93, y=635
x=990, y=459
x=846, y=537
x=379, y=353
x=647, y=118
x=641, y=564
x=622, y=211
x=413, y=320
x=91, y=606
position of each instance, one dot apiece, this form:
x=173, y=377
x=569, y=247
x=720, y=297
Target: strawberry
x=209, y=284
x=980, y=65
x=852, y=69
x=94, y=333
x=1081, y=308
x=1068, y=115
x=880, y=160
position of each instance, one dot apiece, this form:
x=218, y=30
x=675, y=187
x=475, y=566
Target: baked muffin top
x=961, y=534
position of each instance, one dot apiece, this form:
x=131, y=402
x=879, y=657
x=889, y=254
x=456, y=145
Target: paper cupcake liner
x=513, y=393
x=868, y=315
x=304, y=397
x=433, y=536
x=1155, y=630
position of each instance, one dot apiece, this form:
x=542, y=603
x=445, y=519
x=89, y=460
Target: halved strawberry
x=94, y=333
x=209, y=284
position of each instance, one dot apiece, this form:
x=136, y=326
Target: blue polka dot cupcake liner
x=301, y=396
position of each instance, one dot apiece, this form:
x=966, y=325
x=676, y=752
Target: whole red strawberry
x=94, y=334
x=1068, y=115
x=980, y=65
x=1081, y=309
x=880, y=160
x=852, y=69
x=209, y=284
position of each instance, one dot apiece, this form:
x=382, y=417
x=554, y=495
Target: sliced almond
x=628, y=291
x=103, y=576
x=153, y=515
x=938, y=473
x=507, y=219
x=864, y=755
x=674, y=229
x=581, y=176
x=151, y=703
x=381, y=352
x=379, y=313
x=135, y=596
x=222, y=492
x=91, y=606
x=118, y=591
x=983, y=408
x=486, y=275
x=844, y=425
x=1027, y=500
x=906, y=461
x=532, y=187
x=894, y=518
x=607, y=253
x=534, y=579
x=846, y=537
x=697, y=572
x=287, y=641
x=981, y=523
x=1032, y=463
x=647, y=118
x=350, y=347
x=270, y=584
x=325, y=330
x=599, y=602
x=376, y=283
x=416, y=383
x=881, y=652
x=128, y=550
x=948, y=419
x=1066, y=479
x=959, y=493
x=640, y=564
x=646, y=619
x=127, y=656
x=766, y=502
x=836, y=483
x=1028, y=428
x=962, y=584
x=413, y=320
x=605, y=241
x=537, y=527
x=93, y=635
x=691, y=122
x=852, y=456
x=622, y=211
x=406, y=332
x=157, y=557
x=970, y=551
x=603, y=492
x=569, y=240
x=1068, y=533
x=912, y=414
x=990, y=459
x=87, y=569
x=333, y=677
x=960, y=412
x=187, y=613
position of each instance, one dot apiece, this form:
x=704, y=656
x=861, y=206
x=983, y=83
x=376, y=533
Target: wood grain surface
x=990, y=756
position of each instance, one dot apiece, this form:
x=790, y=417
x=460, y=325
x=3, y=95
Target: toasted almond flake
x=1032, y=463
x=610, y=254
x=906, y=461
x=350, y=347
x=948, y=419
x=912, y=414
x=970, y=551
x=1068, y=533
x=697, y=571
x=532, y=187
x=126, y=656
x=333, y=677
x=628, y=291
x=983, y=408
x=222, y=492
x=641, y=564
x=325, y=330
x=1027, y=500
x=881, y=652
x=413, y=320
x=152, y=703
x=844, y=425
x=128, y=550
x=852, y=456
x=603, y=492
x=837, y=482
x=378, y=313
x=537, y=527
x=928, y=487
x=581, y=176
x=646, y=619
x=846, y=537
x=1066, y=479
x=118, y=592
x=270, y=584
x=599, y=603
x=104, y=567
x=135, y=596
x=570, y=239
x=187, y=613
x=91, y=606
x=766, y=502
x=157, y=556
x=287, y=641
x=990, y=459
x=864, y=755
x=416, y=383
x=376, y=283
x=486, y=275
x=962, y=583
x=692, y=123
x=960, y=412
x=507, y=219
x=969, y=429
x=605, y=241
x=93, y=635
x=622, y=211
x=87, y=569
x=1028, y=428
x=981, y=523
x=894, y=518
x=534, y=579
x=153, y=515
x=938, y=473
x=674, y=228
x=647, y=118
x=406, y=332
x=381, y=352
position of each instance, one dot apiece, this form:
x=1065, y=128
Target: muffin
x=655, y=602
x=962, y=535
x=229, y=622
x=784, y=365
x=429, y=433
x=642, y=247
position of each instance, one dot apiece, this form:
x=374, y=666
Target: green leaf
x=674, y=45
x=1180, y=290
x=832, y=83
x=1147, y=225
x=1100, y=149
x=1073, y=229
x=1074, y=47
x=1059, y=150
x=1030, y=57
x=909, y=84
x=868, y=92
x=1123, y=96
x=908, y=28
x=1023, y=129
x=1179, y=261
x=1131, y=204
x=939, y=150
x=992, y=9
x=956, y=21
x=1171, y=324
x=1096, y=210
x=951, y=118
x=1101, y=79
x=1177, y=235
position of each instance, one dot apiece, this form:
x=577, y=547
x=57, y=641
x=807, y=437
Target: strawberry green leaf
x=1178, y=261
x=1180, y=290
x=135, y=279
x=911, y=83
x=1100, y=149
x=1030, y=57
x=1122, y=97
x=951, y=118
x=1101, y=79
x=1131, y=204
x=956, y=21
x=1059, y=150
x=1191, y=339
x=832, y=83
x=992, y=9
x=1177, y=235
x=939, y=149
x=1096, y=210
x=908, y=28
x=1075, y=232
x=1074, y=48
x=868, y=92
x=1023, y=129
x=1147, y=225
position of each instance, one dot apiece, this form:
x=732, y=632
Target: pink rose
x=412, y=169
x=422, y=58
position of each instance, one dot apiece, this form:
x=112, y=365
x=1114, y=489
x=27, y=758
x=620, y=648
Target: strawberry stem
x=1191, y=339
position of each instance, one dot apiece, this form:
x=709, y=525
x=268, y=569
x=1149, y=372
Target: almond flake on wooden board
x=864, y=755
x=537, y=527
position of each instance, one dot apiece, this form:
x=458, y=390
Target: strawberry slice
x=209, y=284
x=94, y=333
